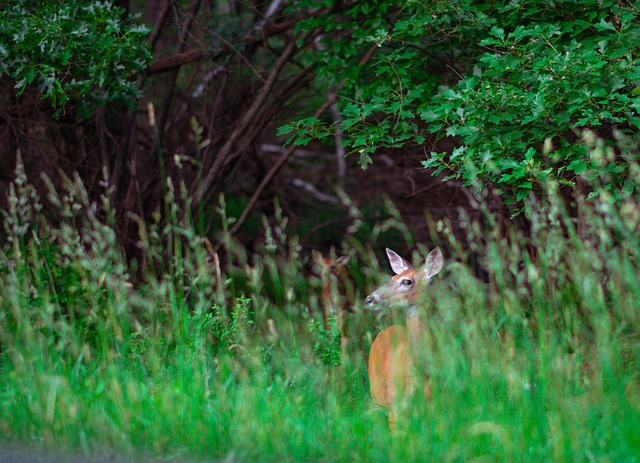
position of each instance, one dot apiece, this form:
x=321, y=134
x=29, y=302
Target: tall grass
x=537, y=363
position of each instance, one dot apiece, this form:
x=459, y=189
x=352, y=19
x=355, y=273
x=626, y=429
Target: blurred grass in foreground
x=539, y=364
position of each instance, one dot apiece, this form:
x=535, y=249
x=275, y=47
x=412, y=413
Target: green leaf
x=522, y=193
x=498, y=32
x=284, y=129
x=604, y=25
x=578, y=166
x=628, y=187
x=364, y=161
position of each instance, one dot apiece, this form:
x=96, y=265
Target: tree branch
x=267, y=179
x=174, y=61
x=223, y=155
x=257, y=36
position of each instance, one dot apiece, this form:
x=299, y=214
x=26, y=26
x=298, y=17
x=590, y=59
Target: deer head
x=404, y=288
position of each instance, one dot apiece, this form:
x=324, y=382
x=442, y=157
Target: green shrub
x=514, y=84
x=546, y=72
x=77, y=54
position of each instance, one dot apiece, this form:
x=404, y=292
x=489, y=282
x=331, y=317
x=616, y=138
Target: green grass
x=540, y=364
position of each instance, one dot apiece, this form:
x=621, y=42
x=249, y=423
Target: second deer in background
x=333, y=275
x=392, y=375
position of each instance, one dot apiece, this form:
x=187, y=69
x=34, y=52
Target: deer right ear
x=398, y=264
x=434, y=262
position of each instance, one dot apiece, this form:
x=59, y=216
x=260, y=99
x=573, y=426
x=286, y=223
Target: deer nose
x=374, y=302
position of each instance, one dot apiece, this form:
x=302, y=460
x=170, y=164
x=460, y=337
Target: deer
x=333, y=274
x=336, y=287
x=391, y=366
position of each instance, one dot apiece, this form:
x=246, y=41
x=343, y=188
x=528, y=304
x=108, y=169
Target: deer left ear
x=398, y=264
x=433, y=265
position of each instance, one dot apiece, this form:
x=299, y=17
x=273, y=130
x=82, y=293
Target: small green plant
x=229, y=331
x=327, y=344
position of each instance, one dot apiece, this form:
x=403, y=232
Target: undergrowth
x=213, y=356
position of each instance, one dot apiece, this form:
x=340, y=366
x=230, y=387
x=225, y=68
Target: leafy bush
x=327, y=346
x=514, y=83
x=83, y=54
x=548, y=71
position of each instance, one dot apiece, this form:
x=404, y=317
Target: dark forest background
x=258, y=100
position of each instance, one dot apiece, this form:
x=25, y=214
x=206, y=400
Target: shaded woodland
x=232, y=73
x=214, y=82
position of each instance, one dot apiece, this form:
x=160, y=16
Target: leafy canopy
x=515, y=84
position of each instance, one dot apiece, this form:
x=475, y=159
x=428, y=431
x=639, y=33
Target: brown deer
x=333, y=273
x=392, y=373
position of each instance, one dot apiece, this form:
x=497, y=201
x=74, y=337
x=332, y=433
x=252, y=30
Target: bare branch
x=257, y=36
x=160, y=20
x=267, y=179
x=223, y=156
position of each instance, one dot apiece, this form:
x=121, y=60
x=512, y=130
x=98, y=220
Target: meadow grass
x=540, y=363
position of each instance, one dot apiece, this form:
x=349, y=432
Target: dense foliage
x=515, y=84
x=83, y=54
x=508, y=95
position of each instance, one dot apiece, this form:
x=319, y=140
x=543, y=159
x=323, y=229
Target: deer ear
x=398, y=264
x=433, y=265
x=317, y=256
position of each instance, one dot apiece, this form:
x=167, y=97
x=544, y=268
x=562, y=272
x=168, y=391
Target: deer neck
x=415, y=323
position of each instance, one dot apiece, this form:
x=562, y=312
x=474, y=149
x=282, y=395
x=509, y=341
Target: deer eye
x=407, y=282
